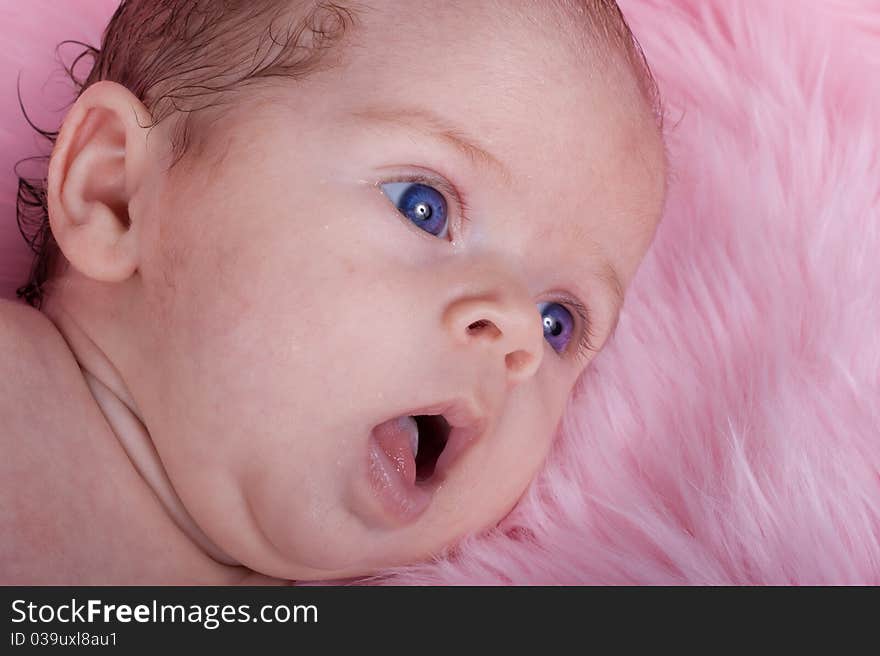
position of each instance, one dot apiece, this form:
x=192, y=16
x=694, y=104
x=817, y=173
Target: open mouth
x=410, y=455
x=433, y=435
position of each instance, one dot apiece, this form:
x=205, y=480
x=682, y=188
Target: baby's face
x=409, y=234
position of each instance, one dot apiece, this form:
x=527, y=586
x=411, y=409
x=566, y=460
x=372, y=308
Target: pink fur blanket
x=730, y=433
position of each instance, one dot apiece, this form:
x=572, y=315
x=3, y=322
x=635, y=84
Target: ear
x=99, y=161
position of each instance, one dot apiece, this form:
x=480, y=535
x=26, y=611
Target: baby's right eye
x=420, y=203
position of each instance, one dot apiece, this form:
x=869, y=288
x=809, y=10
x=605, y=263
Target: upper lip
x=459, y=413
x=467, y=423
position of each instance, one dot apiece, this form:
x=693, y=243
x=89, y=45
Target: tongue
x=398, y=438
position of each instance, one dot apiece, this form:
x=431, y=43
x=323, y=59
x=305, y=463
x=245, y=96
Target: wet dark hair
x=189, y=60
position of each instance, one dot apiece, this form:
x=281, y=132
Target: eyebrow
x=608, y=275
x=424, y=120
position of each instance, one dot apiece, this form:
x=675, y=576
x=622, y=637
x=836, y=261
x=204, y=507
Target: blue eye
x=420, y=203
x=558, y=325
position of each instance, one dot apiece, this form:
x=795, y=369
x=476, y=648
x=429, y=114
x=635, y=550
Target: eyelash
x=585, y=343
x=444, y=186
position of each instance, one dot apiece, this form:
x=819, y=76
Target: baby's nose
x=503, y=325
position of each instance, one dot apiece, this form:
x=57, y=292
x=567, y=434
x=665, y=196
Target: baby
x=324, y=277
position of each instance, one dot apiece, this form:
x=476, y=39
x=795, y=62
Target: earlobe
x=98, y=162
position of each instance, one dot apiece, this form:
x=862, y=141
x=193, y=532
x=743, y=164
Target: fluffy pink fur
x=730, y=432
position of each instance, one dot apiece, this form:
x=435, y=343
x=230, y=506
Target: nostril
x=517, y=361
x=480, y=325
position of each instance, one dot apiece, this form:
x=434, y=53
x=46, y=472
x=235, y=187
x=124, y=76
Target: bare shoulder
x=68, y=492
x=52, y=437
x=38, y=376
x=36, y=367
x=35, y=363
x=25, y=333
x=13, y=313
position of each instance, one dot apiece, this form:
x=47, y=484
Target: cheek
x=274, y=324
x=524, y=442
x=500, y=469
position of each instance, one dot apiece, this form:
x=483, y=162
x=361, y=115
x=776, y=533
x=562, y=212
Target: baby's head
x=293, y=226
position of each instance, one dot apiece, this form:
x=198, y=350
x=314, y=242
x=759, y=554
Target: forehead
x=567, y=127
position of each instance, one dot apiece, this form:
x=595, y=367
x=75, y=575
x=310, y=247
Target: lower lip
x=403, y=502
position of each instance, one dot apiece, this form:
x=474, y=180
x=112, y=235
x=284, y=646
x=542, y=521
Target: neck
x=115, y=401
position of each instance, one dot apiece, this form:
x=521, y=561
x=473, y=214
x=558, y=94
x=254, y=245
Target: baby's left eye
x=558, y=325
x=421, y=204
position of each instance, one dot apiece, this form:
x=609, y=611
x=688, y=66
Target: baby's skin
x=221, y=385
